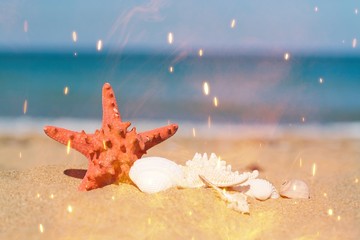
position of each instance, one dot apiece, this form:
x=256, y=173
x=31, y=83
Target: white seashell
x=260, y=189
x=155, y=174
x=213, y=169
x=236, y=201
x=294, y=189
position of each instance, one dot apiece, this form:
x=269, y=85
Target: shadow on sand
x=75, y=173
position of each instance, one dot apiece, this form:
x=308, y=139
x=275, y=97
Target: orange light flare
x=325, y=194
x=216, y=102
x=104, y=144
x=209, y=122
x=194, y=132
x=170, y=38
x=206, y=88
x=356, y=180
x=330, y=212
x=99, y=45
x=69, y=209
x=300, y=162
x=171, y=69
x=20, y=155
x=313, y=169
x=52, y=196
x=25, y=106
x=74, y=36
x=201, y=52
x=287, y=56
x=149, y=221
x=354, y=43
x=233, y=23
x=66, y=90
x=68, y=147
x=218, y=163
x=26, y=26
x=41, y=228
x=338, y=218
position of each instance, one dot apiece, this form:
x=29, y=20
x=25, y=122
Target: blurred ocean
x=250, y=89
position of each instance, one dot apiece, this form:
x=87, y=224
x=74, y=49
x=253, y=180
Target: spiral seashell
x=213, y=169
x=294, y=189
x=260, y=189
x=155, y=174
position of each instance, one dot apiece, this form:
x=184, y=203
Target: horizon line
x=186, y=52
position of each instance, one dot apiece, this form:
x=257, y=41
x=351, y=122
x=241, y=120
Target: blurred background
x=203, y=64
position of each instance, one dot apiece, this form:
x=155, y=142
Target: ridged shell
x=155, y=174
x=214, y=170
x=260, y=189
x=294, y=189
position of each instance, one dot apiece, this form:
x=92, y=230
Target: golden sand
x=39, y=201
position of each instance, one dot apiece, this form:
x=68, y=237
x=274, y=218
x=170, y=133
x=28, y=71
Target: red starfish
x=112, y=150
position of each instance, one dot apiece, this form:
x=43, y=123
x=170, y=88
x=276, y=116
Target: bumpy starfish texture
x=112, y=150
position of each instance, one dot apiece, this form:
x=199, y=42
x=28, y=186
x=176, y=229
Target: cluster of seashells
x=155, y=174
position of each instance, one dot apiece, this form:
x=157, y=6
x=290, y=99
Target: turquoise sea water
x=250, y=89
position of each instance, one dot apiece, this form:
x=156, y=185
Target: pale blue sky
x=271, y=25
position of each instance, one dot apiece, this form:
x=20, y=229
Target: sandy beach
x=39, y=201
x=267, y=86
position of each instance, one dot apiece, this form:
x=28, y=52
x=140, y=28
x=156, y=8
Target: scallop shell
x=260, y=189
x=294, y=189
x=213, y=169
x=155, y=174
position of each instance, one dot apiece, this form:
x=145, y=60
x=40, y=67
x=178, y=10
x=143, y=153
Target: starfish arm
x=78, y=140
x=156, y=136
x=94, y=178
x=109, y=105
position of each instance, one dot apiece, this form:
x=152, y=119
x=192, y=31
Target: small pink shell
x=294, y=189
